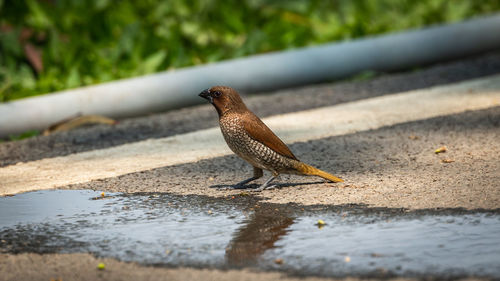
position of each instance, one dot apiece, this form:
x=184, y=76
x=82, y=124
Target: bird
x=249, y=138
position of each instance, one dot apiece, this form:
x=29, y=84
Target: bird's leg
x=257, y=173
x=266, y=184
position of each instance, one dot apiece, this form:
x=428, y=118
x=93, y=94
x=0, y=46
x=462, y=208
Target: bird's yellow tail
x=311, y=171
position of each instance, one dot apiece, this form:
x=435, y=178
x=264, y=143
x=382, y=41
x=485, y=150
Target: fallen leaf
x=447, y=160
x=34, y=56
x=441, y=150
x=101, y=266
x=77, y=122
x=320, y=224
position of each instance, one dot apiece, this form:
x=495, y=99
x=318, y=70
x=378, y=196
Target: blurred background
x=52, y=45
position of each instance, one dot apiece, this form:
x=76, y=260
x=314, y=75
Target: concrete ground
x=83, y=267
x=393, y=165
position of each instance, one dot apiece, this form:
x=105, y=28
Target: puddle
x=170, y=230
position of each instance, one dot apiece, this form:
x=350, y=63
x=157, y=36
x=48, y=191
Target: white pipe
x=178, y=88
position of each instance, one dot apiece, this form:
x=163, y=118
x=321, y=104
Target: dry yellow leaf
x=441, y=149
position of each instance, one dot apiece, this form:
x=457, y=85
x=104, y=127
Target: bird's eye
x=217, y=94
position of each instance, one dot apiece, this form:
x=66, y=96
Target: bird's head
x=225, y=99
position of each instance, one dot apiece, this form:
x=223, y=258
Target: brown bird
x=248, y=137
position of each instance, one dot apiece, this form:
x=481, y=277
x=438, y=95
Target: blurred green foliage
x=25, y=135
x=83, y=42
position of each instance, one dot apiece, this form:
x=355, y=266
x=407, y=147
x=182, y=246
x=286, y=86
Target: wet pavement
x=240, y=231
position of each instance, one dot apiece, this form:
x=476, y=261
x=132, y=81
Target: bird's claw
x=262, y=188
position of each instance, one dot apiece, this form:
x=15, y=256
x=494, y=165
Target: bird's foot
x=262, y=187
x=244, y=185
x=266, y=185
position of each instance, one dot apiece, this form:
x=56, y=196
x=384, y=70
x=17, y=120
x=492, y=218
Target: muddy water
x=240, y=231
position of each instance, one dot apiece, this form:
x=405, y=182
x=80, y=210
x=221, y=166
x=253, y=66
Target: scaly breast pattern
x=254, y=152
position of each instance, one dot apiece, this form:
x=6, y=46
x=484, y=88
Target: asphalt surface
x=394, y=166
x=265, y=104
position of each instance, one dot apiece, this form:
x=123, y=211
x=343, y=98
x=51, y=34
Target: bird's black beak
x=206, y=95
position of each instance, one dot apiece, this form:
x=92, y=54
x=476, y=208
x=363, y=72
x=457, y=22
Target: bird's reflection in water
x=264, y=228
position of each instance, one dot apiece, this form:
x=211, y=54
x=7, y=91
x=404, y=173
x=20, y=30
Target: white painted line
x=293, y=127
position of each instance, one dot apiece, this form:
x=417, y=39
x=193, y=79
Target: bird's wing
x=261, y=133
